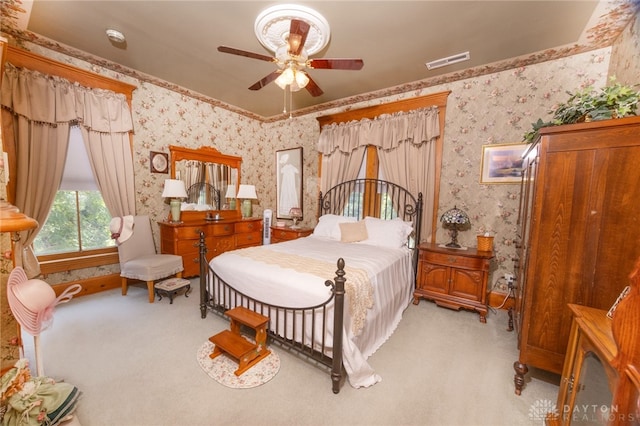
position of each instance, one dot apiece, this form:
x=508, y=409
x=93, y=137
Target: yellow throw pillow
x=353, y=232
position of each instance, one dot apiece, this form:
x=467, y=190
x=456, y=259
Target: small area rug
x=222, y=368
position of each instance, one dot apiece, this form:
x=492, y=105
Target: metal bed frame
x=356, y=198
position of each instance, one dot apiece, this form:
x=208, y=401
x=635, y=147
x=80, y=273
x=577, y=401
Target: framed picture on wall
x=502, y=163
x=159, y=162
x=289, y=183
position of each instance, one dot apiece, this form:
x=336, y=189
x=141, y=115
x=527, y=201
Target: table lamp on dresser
x=175, y=190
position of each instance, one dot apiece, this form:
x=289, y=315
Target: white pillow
x=387, y=233
x=329, y=225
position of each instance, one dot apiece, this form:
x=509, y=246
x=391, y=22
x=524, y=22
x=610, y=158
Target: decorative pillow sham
x=387, y=233
x=353, y=232
x=329, y=225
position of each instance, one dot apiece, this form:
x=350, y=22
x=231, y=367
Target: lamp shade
x=455, y=220
x=231, y=192
x=174, y=188
x=454, y=217
x=247, y=192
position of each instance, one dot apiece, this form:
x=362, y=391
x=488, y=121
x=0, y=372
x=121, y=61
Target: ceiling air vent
x=448, y=61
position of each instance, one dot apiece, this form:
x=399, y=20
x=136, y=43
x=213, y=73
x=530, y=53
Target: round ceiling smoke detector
x=115, y=36
x=273, y=24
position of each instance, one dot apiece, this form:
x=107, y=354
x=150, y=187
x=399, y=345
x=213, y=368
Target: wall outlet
x=509, y=278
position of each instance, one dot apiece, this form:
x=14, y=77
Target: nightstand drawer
x=282, y=235
x=286, y=234
x=452, y=260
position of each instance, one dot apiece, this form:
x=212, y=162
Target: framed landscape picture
x=502, y=163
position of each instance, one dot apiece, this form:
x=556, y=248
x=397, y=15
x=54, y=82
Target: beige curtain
x=43, y=107
x=406, y=149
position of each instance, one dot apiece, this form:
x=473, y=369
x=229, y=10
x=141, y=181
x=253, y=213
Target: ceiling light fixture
x=115, y=36
x=293, y=78
x=460, y=57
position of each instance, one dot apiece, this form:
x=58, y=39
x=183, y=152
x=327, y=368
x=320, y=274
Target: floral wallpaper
x=625, y=56
x=9, y=336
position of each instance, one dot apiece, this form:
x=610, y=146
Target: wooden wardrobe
x=578, y=232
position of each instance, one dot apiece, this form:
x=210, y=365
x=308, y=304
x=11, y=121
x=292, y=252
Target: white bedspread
x=389, y=271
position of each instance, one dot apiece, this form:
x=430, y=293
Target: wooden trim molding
x=32, y=61
x=91, y=285
x=436, y=99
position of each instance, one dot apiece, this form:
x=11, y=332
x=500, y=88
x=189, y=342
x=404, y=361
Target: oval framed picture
x=159, y=162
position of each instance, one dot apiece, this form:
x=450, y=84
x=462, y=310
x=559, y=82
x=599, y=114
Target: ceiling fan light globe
x=286, y=78
x=301, y=79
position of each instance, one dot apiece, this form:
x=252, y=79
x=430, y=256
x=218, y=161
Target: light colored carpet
x=135, y=364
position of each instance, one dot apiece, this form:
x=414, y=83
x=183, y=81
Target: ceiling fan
x=293, y=60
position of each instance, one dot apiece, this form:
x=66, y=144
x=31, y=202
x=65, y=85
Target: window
x=78, y=223
x=370, y=200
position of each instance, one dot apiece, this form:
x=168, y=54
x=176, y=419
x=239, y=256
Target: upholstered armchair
x=139, y=260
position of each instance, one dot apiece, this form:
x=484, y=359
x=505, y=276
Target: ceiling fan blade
x=297, y=36
x=336, y=64
x=266, y=80
x=313, y=88
x=233, y=51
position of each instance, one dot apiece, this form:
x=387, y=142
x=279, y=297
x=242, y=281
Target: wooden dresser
x=578, y=232
x=453, y=278
x=285, y=233
x=220, y=236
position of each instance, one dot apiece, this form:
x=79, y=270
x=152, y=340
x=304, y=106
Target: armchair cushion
x=151, y=267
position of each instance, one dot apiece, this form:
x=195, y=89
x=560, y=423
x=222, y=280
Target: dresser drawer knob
x=452, y=259
x=196, y=245
x=195, y=260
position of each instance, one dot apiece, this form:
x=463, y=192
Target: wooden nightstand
x=453, y=278
x=284, y=233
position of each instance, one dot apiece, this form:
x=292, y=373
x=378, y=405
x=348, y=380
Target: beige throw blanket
x=357, y=287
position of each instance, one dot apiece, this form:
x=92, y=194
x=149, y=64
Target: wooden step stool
x=231, y=341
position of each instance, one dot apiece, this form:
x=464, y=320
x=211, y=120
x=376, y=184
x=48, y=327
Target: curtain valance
x=50, y=99
x=386, y=131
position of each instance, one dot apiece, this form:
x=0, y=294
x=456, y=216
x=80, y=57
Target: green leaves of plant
x=589, y=104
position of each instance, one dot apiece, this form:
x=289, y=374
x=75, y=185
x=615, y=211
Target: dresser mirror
x=210, y=177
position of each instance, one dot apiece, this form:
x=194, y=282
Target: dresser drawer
x=188, y=232
x=216, y=229
x=248, y=239
x=451, y=260
x=248, y=226
x=189, y=246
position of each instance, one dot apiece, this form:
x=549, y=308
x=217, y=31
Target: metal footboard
x=302, y=330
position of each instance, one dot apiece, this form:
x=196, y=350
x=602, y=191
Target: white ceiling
x=176, y=41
